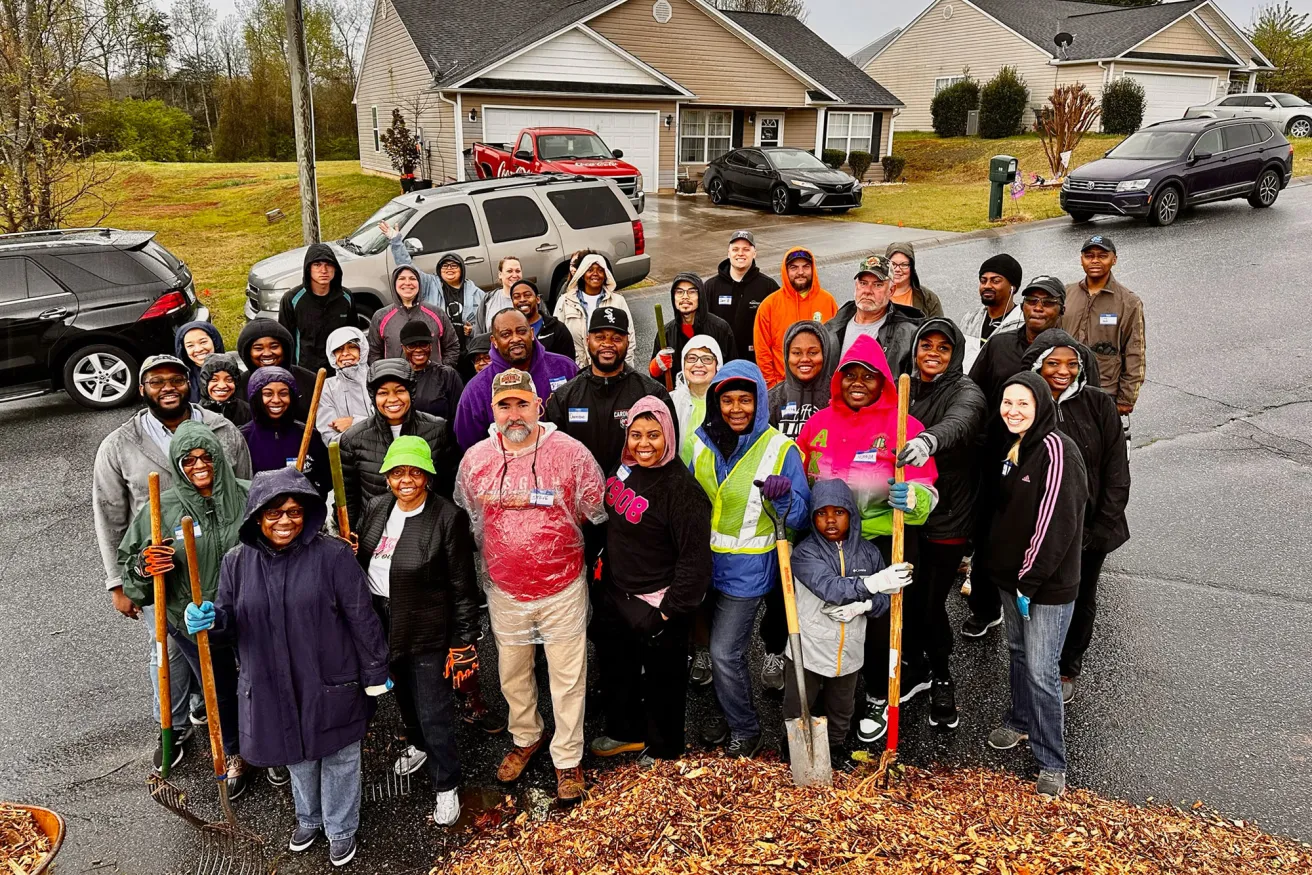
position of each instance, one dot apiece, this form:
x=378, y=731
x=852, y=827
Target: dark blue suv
x=1160, y=170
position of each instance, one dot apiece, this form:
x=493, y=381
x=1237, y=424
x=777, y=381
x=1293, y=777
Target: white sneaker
x=447, y=809
x=411, y=760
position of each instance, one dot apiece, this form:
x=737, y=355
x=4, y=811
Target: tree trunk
x=303, y=117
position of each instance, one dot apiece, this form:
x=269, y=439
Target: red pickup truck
x=560, y=150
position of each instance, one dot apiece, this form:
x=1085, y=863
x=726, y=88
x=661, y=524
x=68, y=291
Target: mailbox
x=1002, y=168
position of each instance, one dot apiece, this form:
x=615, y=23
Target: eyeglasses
x=685, y=293
x=170, y=382
x=699, y=360
x=273, y=514
x=189, y=462
x=1044, y=301
x=898, y=266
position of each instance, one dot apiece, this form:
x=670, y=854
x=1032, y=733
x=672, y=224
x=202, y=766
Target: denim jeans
x=1036, y=707
x=731, y=637
x=224, y=662
x=431, y=704
x=179, y=676
x=327, y=792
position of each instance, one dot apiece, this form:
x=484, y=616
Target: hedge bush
x=949, y=107
x=834, y=158
x=1122, y=106
x=1002, y=103
x=893, y=166
x=149, y=129
x=859, y=162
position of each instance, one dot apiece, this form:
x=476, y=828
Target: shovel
x=808, y=737
x=310, y=417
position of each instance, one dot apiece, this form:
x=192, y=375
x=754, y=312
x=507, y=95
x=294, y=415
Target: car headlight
x=270, y=299
x=802, y=183
x=1133, y=185
x=637, y=183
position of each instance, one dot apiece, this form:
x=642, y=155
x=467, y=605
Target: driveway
x=690, y=233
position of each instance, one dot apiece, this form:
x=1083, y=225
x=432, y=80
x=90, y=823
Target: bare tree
x=194, y=48
x=1070, y=113
x=230, y=45
x=350, y=20
x=795, y=8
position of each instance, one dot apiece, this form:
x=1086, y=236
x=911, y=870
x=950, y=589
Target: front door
x=769, y=130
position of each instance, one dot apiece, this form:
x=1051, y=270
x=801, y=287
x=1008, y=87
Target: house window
x=374, y=111
x=946, y=82
x=850, y=131
x=704, y=135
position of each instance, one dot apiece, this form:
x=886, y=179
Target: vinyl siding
x=932, y=48
x=573, y=57
x=799, y=129
x=702, y=55
x=1184, y=37
x=1223, y=31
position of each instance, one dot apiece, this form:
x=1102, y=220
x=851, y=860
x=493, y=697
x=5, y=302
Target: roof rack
x=59, y=232
x=535, y=179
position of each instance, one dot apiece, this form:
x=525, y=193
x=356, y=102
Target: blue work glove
x=1023, y=605
x=901, y=496
x=200, y=617
x=775, y=487
x=379, y=689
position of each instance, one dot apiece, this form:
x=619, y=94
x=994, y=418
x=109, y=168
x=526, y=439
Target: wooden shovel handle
x=206, y=665
x=161, y=614
x=898, y=553
x=310, y=416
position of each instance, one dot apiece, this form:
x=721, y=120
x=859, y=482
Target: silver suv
x=538, y=219
x=1288, y=113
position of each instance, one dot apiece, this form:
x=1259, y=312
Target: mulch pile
x=720, y=815
x=23, y=846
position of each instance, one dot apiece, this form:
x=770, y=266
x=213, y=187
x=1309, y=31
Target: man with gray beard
x=528, y=489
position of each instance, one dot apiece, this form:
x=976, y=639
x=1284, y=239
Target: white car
x=1288, y=112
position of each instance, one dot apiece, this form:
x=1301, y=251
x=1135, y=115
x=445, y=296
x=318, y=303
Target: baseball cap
x=414, y=333
x=609, y=317
x=742, y=235
x=513, y=383
x=1049, y=284
x=1099, y=241
x=879, y=265
x=390, y=371
x=799, y=253
x=408, y=449
x=160, y=361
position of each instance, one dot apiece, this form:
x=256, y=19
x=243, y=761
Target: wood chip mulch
x=718, y=815
x=23, y=846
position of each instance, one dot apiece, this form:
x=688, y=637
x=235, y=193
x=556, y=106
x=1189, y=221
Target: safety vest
x=738, y=521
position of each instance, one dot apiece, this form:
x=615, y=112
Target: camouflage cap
x=876, y=264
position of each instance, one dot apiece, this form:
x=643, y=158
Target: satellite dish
x=1063, y=39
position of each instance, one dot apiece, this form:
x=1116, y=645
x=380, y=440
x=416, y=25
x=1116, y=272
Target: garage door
x=1167, y=97
x=634, y=133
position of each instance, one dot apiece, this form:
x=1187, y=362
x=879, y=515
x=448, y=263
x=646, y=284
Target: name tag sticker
x=1106, y=318
x=542, y=497
x=578, y=414
x=177, y=533
x=623, y=472
x=868, y=456
x=557, y=382
x=726, y=300
x=291, y=461
x=789, y=409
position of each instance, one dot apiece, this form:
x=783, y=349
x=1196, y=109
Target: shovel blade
x=808, y=752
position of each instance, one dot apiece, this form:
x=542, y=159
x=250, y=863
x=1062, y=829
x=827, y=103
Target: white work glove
x=378, y=689
x=847, y=613
x=918, y=450
x=890, y=580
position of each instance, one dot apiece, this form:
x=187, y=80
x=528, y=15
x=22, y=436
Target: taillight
x=640, y=237
x=169, y=302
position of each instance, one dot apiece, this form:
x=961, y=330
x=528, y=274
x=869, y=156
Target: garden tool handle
x=310, y=417
x=206, y=665
x=161, y=630
x=898, y=552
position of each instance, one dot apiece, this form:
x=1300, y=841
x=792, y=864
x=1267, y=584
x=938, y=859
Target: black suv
x=1158, y=171
x=81, y=308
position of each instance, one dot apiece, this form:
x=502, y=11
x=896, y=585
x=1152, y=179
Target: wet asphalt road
x=1197, y=685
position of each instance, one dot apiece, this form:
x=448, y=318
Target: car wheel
x=101, y=376
x=1300, y=128
x=716, y=191
x=781, y=202
x=1267, y=189
x=1081, y=217
x=1166, y=206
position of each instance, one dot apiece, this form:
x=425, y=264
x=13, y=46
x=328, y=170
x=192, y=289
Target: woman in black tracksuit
x=1088, y=416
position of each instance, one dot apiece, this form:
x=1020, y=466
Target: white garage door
x=1167, y=97
x=634, y=133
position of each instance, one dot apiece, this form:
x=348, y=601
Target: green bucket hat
x=409, y=450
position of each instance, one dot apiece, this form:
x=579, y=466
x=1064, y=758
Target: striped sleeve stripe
x=1056, y=462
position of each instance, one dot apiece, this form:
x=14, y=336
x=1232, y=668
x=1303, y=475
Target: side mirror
x=1199, y=156
x=414, y=245
x=618, y=153
x=523, y=156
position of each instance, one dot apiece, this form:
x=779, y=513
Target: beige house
x=1183, y=53
x=673, y=83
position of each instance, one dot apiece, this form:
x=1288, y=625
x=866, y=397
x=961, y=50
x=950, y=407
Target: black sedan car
x=780, y=178
x=1160, y=170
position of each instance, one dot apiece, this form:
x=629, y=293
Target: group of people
x=496, y=457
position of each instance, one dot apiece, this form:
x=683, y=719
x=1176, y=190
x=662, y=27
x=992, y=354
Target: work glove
x=199, y=617
x=918, y=450
x=378, y=689
x=775, y=487
x=1023, y=605
x=890, y=580
x=665, y=359
x=461, y=665
x=901, y=496
x=847, y=613
x=156, y=558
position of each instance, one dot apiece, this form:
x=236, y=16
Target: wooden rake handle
x=310, y=417
x=898, y=554
x=206, y=665
x=161, y=624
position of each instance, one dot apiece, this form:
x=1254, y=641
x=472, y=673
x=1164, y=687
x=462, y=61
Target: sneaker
x=237, y=777
x=303, y=837
x=516, y=761
x=341, y=851
x=974, y=627
x=279, y=776
x=569, y=786
x=411, y=760
x=605, y=746
x=715, y=731
x=744, y=747
x=772, y=673
x=446, y=811
x=913, y=688
x=1067, y=690
x=1051, y=783
x=943, y=705
x=873, y=723
x=198, y=716
x=1005, y=738
x=180, y=739
x=701, y=668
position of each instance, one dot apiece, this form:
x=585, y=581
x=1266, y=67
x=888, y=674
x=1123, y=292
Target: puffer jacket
x=677, y=334
x=793, y=402
x=310, y=318
x=180, y=350
x=571, y=312
x=305, y=379
x=829, y=573
x=345, y=394
x=365, y=444
x=387, y=322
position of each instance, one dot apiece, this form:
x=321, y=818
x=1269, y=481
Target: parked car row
x=1287, y=113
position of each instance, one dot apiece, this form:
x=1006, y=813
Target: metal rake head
x=172, y=798
x=391, y=787
x=229, y=850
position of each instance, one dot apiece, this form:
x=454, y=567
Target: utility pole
x=298, y=65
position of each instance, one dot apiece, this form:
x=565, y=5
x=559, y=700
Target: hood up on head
x=689, y=277
x=419, y=278
x=322, y=252
x=576, y=281
x=865, y=351
x=270, y=487
x=818, y=385
x=455, y=259
x=744, y=374
x=254, y=388
x=220, y=361
x=339, y=338
x=909, y=251
x=836, y=493
x=257, y=328
x=705, y=341
x=786, y=285
x=180, y=350
x=956, y=367
x=1045, y=410
x=228, y=500
x=654, y=407
x=1049, y=340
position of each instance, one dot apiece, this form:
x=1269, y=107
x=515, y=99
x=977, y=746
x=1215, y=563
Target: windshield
x=795, y=159
x=1153, y=145
x=1289, y=100
x=552, y=147
x=367, y=239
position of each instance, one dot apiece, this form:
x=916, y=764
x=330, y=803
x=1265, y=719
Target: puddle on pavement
x=483, y=808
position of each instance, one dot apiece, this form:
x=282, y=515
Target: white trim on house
x=873, y=147
x=1230, y=23
x=891, y=117
x=372, y=13
x=1202, y=64
x=821, y=119
x=1217, y=39
x=551, y=95
x=460, y=137
x=759, y=117
x=1173, y=23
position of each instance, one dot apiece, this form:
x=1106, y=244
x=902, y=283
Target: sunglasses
x=189, y=462
x=273, y=514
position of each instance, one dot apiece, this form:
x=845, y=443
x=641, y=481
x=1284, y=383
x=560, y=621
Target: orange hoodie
x=780, y=310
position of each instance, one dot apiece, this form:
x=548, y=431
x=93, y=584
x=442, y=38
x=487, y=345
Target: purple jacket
x=274, y=443
x=474, y=414
x=307, y=637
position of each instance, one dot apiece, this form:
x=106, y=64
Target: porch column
x=819, y=131
x=1252, y=82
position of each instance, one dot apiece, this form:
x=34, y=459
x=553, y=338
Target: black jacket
x=305, y=379
x=437, y=391
x=896, y=336
x=433, y=602
x=595, y=410
x=310, y=318
x=952, y=409
x=703, y=322
x=554, y=336
x=737, y=303
x=365, y=444
x=1038, y=522
x=1088, y=415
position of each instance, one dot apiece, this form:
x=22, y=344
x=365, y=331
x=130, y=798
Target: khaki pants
x=561, y=623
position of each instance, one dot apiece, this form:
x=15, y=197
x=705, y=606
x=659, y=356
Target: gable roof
x=863, y=55
x=808, y=51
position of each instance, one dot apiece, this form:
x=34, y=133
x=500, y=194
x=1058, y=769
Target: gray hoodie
x=345, y=394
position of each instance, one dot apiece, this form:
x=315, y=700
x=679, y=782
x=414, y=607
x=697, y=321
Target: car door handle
x=474, y=259
x=545, y=247
x=52, y=314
